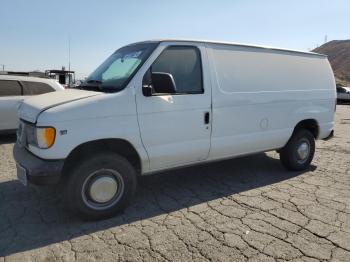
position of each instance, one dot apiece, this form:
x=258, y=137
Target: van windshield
x=115, y=73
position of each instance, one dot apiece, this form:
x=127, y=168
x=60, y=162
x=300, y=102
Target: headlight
x=42, y=137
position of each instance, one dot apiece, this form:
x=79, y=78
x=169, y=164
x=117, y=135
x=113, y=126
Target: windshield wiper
x=111, y=89
x=97, y=85
x=100, y=88
x=93, y=85
x=94, y=81
x=90, y=88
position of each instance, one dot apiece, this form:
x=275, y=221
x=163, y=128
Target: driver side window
x=185, y=66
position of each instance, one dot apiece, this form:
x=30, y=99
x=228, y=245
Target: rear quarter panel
x=259, y=96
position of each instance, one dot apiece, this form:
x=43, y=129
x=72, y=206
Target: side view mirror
x=158, y=82
x=147, y=88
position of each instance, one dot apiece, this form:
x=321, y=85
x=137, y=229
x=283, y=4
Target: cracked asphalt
x=245, y=209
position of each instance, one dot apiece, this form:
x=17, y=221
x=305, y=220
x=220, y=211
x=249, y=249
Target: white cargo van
x=164, y=104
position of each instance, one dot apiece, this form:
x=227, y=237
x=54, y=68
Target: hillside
x=338, y=52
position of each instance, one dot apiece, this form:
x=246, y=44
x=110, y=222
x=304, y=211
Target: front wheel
x=100, y=186
x=299, y=151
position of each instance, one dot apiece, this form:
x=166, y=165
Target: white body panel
x=93, y=118
x=255, y=97
x=34, y=106
x=9, y=105
x=8, y=112
x=172, y=126
x=259, y=96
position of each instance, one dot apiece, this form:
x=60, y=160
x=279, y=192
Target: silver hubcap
x=303, y=151
x=102, y=189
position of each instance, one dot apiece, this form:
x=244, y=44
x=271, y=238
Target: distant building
x=63, y=76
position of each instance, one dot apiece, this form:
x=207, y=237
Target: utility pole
x=3, y=67
x=69, y=76
x=325, y=39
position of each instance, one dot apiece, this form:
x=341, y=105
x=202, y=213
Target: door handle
x=206, y=118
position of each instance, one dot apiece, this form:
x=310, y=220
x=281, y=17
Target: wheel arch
x=310, y=125
x=119, y=146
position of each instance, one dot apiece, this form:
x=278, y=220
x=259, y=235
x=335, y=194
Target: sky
x=34, y=35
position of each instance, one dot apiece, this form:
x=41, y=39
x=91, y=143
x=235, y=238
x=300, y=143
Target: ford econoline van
x=158, y=105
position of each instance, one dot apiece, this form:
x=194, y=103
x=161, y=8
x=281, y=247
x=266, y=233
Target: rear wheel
x=299, y=151
x=100, y=186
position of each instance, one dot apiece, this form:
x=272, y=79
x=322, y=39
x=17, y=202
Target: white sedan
x=13, y=90
x=343, y=93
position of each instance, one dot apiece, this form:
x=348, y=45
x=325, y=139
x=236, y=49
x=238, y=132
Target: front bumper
x=39, y=171
x=330, y=136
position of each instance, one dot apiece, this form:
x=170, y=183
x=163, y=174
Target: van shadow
x=7, y=138
x=31, y=218
x=344, y=103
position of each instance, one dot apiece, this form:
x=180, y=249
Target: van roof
x=235, y=44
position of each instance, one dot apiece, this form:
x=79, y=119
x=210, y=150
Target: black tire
x=289, y=155
x=81, y=177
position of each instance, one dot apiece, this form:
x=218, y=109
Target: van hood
x=31, y=107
